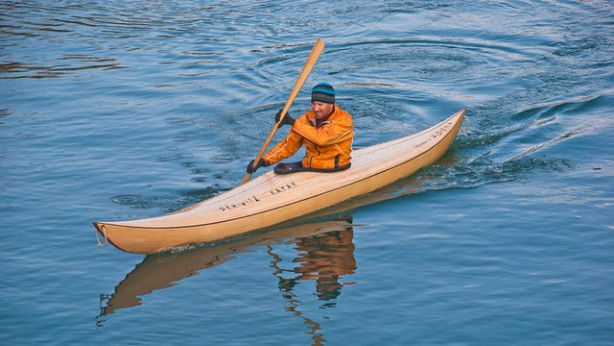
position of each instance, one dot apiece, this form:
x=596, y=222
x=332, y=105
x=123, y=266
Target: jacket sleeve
x=337, y=131
x=284, y=149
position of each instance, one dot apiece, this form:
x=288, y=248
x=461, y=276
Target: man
x=326, y=131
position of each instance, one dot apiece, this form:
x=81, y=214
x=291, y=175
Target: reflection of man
x=325, y=258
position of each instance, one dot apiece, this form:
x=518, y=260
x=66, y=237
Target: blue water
x=114, y=110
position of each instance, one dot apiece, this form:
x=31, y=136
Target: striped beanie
x=323, y=92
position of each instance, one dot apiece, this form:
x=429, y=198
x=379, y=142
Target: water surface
x=116, y=110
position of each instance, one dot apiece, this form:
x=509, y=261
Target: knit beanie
x=323, y=92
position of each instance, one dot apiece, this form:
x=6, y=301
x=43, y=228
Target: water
x=115, y=110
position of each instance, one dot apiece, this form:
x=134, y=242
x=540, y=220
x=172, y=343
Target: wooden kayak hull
x=271, y=199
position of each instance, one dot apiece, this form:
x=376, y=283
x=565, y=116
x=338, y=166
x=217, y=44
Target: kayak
x=271, y=199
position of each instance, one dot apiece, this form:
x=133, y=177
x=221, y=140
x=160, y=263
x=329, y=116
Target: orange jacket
x=326, y=147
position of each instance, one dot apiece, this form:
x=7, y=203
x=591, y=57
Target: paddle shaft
x=317, y=49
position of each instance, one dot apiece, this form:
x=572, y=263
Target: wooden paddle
x=317, y=49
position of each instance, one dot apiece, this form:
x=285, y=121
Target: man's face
x=321, y=109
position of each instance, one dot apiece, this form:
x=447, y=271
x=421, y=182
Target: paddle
x=311, y=61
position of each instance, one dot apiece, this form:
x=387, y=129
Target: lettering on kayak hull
x=283, y=188
x=254, y=199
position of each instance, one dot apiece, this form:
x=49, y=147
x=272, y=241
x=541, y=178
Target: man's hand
x=287, y=119
x=250, y=167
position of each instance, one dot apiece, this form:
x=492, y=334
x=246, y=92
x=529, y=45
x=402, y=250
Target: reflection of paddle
x=311, y=61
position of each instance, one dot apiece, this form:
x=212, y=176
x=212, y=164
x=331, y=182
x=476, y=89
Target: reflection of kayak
x=271, y=199
x=165, y=270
